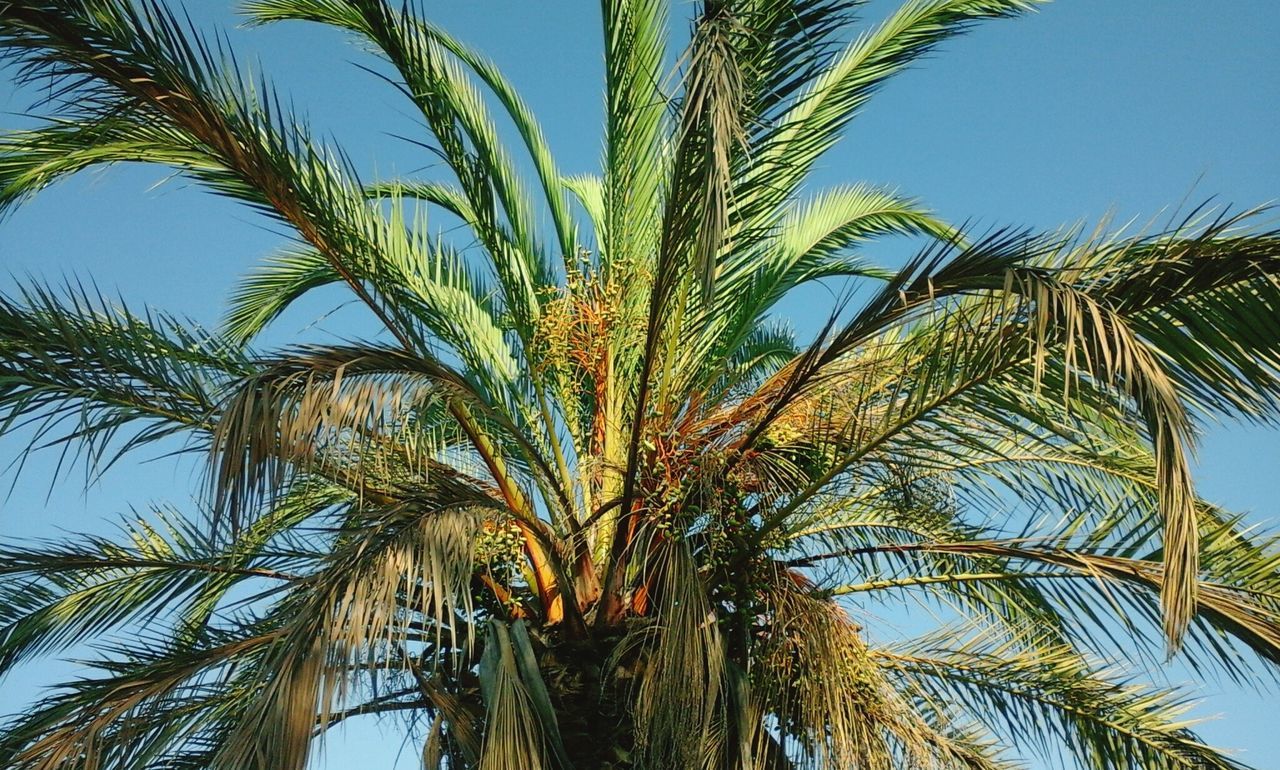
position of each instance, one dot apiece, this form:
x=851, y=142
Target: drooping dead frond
x=681, y=695
x=521, y=730
x=388, y=574
x=833, y=705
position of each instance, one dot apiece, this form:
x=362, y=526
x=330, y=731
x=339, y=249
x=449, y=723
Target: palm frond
x=32, y=160
x=680, y=698
x=521, y=726
x=81, y=370
x=1048, y=697
x=1013, y=326
x=819, y=679
x=836, y=92
x=141, y=64
x=133, y=714
x=329, y=408
x=635, y=112
x=263, y=295
x=349, y=614
x=358, y=16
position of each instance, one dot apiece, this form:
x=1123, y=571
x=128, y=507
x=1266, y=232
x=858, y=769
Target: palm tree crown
x=582, y=502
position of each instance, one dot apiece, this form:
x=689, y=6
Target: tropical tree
x=582, y=501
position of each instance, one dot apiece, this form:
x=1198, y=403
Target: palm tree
x=582, y=502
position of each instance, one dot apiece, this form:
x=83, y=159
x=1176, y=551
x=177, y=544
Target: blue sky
x=1089, y=108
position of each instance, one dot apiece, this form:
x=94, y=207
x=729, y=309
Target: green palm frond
x=1092, y=581
x=267, y=292
x=143, y=57
x=369, y=19
x=447, y=196
x=836, y=93
x=1008, y=326
x=635, y=121
x=1048, y=697
x=80, y=371
x=58, y=595
x=32, y=160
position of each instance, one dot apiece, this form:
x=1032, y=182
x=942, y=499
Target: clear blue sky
x=1090, y=107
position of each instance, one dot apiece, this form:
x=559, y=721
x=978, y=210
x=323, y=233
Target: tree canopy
x=584, y=500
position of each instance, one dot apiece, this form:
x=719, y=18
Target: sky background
x=1128, y=108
